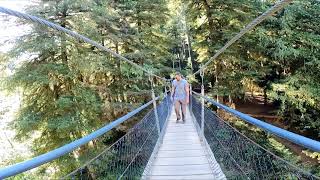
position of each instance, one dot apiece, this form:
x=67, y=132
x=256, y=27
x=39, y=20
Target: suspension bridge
x=157, y=147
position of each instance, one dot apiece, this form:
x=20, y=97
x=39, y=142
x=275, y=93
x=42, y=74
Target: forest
x=69, y=88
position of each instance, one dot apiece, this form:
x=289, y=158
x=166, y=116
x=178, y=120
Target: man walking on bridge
x=180, y=95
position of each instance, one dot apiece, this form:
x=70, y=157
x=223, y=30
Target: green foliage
x=71, y=88
x=212, y=24
x=293, y=44
x=282, y=54
x=56, y=109
x=279, y=57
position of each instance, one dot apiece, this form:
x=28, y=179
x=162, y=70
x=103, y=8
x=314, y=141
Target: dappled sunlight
x=10, y=149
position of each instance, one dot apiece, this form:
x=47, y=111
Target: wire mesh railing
x=163, y=111
x=238, y=156
x=127, y=157
x=196, y=109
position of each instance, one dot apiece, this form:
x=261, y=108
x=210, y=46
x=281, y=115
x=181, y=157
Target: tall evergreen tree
x=213, y=23
x=57, y=106
x=291, y=43
x=70, y=88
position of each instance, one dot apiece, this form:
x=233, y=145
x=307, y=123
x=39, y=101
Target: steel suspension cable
x=270, y=12
x=74, y=35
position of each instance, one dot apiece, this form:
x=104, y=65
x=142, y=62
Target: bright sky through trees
x=9, y=28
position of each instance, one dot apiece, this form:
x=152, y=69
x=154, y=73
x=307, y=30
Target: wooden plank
x=195, y=160
x=183, y=141
x=177, y=138
x=180, y=148
x=184, y=170
x=184, y=153
x=190, y=177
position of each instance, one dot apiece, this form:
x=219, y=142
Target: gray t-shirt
x=180, y=89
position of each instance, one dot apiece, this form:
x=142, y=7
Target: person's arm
x=188, y=93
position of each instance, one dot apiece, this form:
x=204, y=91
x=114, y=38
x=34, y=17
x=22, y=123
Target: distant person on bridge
x=180, y=95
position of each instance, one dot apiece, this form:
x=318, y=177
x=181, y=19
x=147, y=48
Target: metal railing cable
x=240, y=157
x=56, y=153
x=290, y=136
x=270, y=12
x=127, y=157
x=74, y=35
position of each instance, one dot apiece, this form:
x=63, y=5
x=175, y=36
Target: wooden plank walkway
x=181, y=155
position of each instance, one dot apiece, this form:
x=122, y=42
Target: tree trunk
x=118, y=61
x=216, y=84
x=11, y=144
x=211, y=38
x=190, y=52
x=265, y=96
x=64, y=55
x=210, y=21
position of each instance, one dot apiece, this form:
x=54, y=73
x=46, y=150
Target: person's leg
x=177, y=109
x=184, y=110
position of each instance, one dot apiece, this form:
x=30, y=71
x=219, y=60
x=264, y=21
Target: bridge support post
x=166, y=96
x=202, y=107
x=154, y=105
x=190, y=105
x=202, y=113
x=155, y=111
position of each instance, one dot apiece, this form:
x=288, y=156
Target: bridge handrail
x=293, y=137
x=56, y=153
